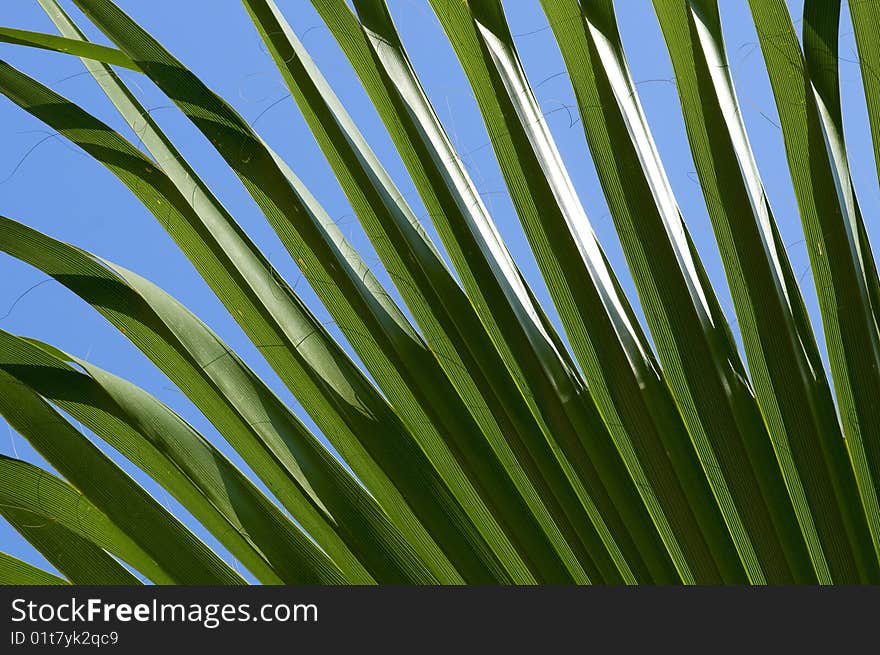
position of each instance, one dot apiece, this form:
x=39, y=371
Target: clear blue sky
x=50, y=185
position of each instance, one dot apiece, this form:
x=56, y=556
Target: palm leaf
x=477, y=444
x=166, y=448
x=809, y=115
x=784, y=360
x=180, y=554
x=33, y=498
x=14, y=571
x=439, y=305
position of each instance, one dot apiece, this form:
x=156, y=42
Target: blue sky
x=50, y=185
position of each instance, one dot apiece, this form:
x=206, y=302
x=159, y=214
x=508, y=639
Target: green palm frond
x=476, y=443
